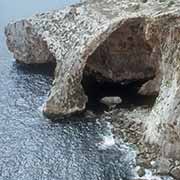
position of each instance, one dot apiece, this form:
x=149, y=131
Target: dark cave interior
x=126, y=90
x=120, y=66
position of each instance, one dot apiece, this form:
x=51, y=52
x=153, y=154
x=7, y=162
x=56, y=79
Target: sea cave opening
x=123, y=64
x=126, y=90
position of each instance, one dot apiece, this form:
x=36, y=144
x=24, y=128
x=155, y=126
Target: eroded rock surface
x=119, y=40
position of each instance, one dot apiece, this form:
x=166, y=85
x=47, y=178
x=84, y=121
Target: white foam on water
x=149, y=176
x=107, y=142
x=40, y=108
x=107, y=139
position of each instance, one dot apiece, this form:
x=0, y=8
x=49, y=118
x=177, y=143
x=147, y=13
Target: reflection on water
x=31, y=146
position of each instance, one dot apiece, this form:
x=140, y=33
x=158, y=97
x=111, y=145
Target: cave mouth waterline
x=126, y=90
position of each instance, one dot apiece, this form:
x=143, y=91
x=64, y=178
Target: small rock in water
x=141, y=172
x=111, y=101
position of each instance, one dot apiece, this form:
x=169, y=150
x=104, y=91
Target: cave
x=126, y=90
x=121, y=66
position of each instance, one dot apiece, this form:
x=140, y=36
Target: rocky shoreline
x=129, y=125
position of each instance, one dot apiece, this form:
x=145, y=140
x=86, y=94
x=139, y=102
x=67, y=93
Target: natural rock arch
x=138, y=60
x=72, y=35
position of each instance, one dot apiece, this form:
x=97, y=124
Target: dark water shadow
x=43, y=69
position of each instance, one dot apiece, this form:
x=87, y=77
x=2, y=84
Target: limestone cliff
x=120, y=40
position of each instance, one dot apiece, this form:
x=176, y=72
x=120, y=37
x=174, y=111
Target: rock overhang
x=74, y=35
x=118, y=50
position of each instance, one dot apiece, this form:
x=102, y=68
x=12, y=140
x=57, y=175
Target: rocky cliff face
x=120, y=40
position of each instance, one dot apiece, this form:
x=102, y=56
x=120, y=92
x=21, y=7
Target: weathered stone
x=116, y=40
x=176, y=172
x=28, y=46
x=141, y=171
x=111, y=101
x=151, y=87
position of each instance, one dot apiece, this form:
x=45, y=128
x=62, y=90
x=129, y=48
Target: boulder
x=176, y=172
x=111, y=101
x=141, y=172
